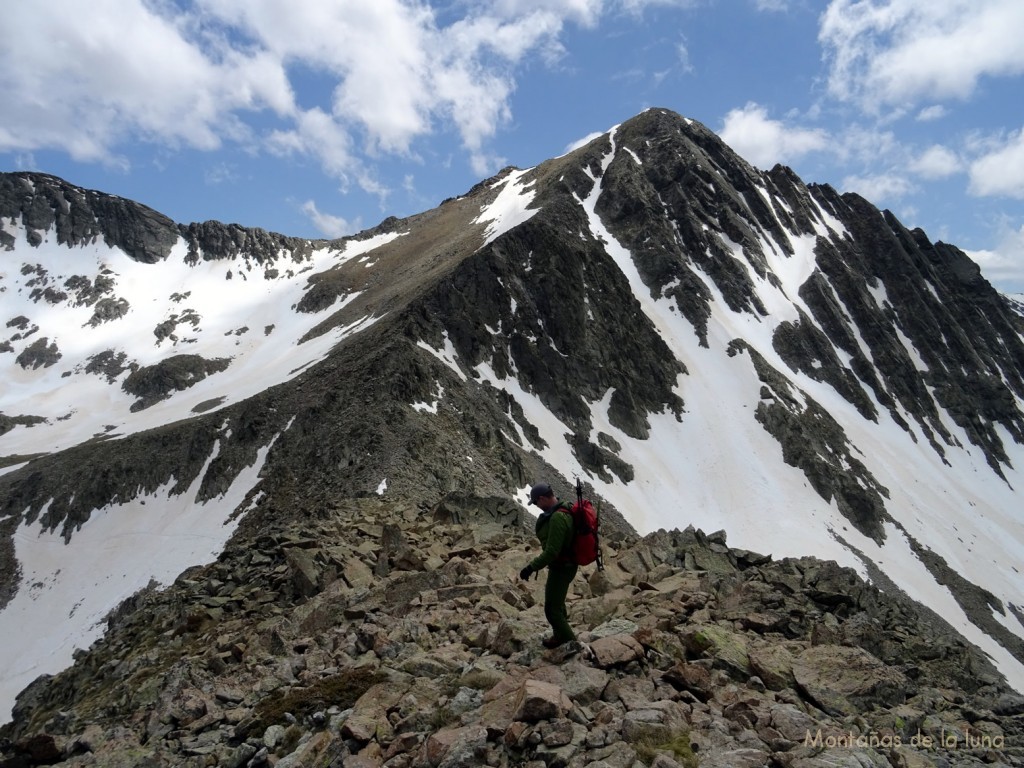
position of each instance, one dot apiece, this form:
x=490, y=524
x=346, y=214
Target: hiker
x=555, y=531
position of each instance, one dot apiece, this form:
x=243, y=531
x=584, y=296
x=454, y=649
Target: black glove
x=526, y=573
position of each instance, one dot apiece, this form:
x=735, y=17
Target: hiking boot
x=551, y=642
x=565, y=651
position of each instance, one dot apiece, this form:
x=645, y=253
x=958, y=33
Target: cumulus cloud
x=1005, y=263
x=315, y=133
x=764, y=141
x=91, y=85
x=1000, y=171
x=934, y=112
x=211, y=72
x=895, y=53
x=330, y=226
x=880, y=189
x=585, y=12
x=936, y=162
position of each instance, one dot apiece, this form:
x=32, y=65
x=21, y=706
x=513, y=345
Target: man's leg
x=556, y=588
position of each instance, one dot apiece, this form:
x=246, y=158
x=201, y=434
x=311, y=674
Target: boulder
x=843, y=681
x=456, y=747
x=728, y=649
x=538, y=701
x=773, y=664
x=581, y=682
x=616, y=651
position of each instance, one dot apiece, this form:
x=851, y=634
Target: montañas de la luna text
x=944, y=740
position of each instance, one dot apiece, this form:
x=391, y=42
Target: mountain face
x=701, y=342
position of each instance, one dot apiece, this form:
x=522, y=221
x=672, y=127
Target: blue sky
x=322, y=118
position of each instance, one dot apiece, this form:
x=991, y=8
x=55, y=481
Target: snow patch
x=432, y=406
x=117, y=552
x=446, y=355
x=510, y=208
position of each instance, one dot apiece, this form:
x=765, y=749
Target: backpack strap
x=566, y=555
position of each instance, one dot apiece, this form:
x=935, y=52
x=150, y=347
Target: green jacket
x=554, y=529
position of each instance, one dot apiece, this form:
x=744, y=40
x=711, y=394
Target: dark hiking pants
x=560, y=576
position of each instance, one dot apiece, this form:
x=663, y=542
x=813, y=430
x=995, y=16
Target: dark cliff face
x=78, y=216
x=549, y=307
x=970, y=350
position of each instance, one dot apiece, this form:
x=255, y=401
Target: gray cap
x=540, y=489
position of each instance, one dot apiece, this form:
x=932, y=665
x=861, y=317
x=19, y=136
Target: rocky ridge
x=383, y=634
x=78, y=216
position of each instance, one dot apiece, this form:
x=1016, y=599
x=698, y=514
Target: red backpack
x=584, y=549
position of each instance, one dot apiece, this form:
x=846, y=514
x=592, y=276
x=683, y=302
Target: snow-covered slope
x=230, y=310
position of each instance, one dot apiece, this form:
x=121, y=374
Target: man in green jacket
x=555, y=531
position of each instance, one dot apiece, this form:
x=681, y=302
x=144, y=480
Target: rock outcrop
x=375, y=634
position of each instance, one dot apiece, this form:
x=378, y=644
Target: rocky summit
x=373, y=634
x=261, y=497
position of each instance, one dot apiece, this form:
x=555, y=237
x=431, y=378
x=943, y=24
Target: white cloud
x=220, y=173
x=1001, y=170
x=765, y=142
x=936, y=162
x=771, y=5
x=893, y=53
x=683, y=54
x=218, y=71
x=91, y=85
x=317, y=134
x=377, y=54
x=582, y=142
x=400, y=75
x=867, y=145
x=934, y=112
x=585, y=12
x=879, y=189
x=25, y=161
x=638, y=6
x=1004, y=264
x=330, y=226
